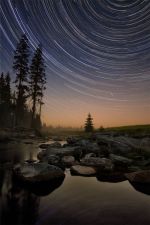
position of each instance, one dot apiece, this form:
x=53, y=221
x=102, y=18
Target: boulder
x=45, y=154
x=133, y=168
x=57, y=139
x=112, y=177
x=118, y=144
x=55, y=144
x=53, y=160
x=89, y=155
x=120, y=160
x=145, y=143
x=42, y=155
x=102, y=163
x=72, y=140
x=4, y=137
x=68, y=160
x=142, y=176
x=90, y=147
x=61, y=151
x=82, y=170
x=44, y=146
x=37, y=172
x=141, y=187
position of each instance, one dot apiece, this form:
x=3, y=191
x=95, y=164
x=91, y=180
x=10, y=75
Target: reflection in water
x=19, y=207
x=18, y=152
x=143, y=188
x=19, y=203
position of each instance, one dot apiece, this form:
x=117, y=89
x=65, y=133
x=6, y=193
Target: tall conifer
x=20, y=66
x=37, y=83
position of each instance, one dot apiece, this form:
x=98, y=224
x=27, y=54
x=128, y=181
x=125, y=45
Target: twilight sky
x=97, y=54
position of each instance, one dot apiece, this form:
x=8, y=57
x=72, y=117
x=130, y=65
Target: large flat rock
x=83, y=170
x=37, y=172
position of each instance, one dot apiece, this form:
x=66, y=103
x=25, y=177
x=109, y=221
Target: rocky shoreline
x=102, y=155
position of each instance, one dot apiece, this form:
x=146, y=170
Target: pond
x=75, y=201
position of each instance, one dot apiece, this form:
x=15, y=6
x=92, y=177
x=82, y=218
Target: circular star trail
x=97, y=53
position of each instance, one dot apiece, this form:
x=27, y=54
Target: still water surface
x=77, y=201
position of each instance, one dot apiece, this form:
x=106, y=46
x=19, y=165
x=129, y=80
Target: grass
x=133, y=129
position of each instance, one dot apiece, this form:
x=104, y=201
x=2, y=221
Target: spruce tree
x=37, y=83
x=2, y=87
x=89, y=124
x=20, y=66
x=7, y=90
x=5, y=100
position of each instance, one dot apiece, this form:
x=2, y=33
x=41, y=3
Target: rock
x=37, y=172
x=53, y=160
x=44, y=146
x=89, y=155
x=78, y=153
x=133, y=168
x=42, y=155
x=52, y=145
x=146, y=163
x=31, y=161
x=4, y=136
x=102, y=163
x=72, y=140
x=68, y=160
x=142, y=176
x=145, y=143
x=118, y=144
x=120, y=160
x=82, y=170
x=56, y=144
x=90, y=147
x=57, y=139
x=61, y=151
x=141, y=187
x=113, y=177
x=28, y=142
x=43, y=188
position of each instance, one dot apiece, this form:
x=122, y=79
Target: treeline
x=21, y=103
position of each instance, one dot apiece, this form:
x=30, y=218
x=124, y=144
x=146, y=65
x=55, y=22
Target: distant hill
x=138, y=129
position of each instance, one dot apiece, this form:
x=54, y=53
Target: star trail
x=97, y=55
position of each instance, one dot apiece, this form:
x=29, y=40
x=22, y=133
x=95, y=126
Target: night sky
x=97, y=55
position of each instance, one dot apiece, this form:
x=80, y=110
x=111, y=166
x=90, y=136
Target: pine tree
x=2, y=87
x=37, y=83
x=5, y=100
x=89, y=124
x=7, y=90
x=20, y=66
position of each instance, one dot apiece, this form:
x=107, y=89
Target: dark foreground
x=73, y=200
x=77, y=201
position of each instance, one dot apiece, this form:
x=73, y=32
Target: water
x=77, y=201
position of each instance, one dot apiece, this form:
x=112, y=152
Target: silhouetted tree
x=20, y=65
x=5, y=100
x=37, y=83
x=7, y=90
x=89, y=124
x=2, y=87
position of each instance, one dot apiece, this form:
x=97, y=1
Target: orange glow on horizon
x=103, y=117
